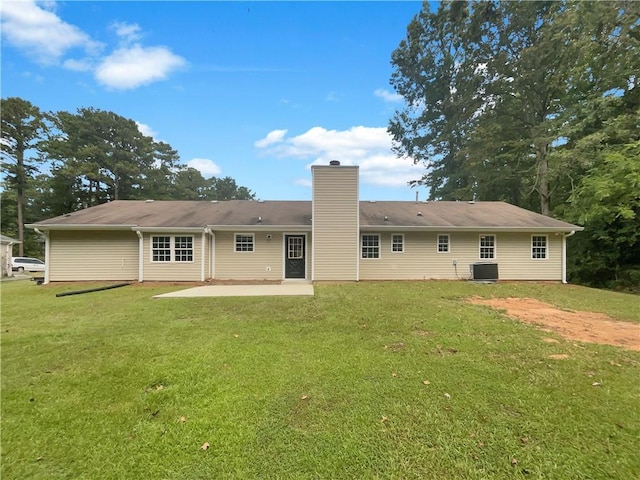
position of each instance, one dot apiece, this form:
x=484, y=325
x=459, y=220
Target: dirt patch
x=396, y=347
x=559, y=356
x=573, y=325
x=422, y=333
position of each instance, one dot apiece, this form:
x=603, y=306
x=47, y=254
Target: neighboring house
x=334, y=237
x=6, y=253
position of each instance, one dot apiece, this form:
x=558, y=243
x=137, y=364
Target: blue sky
x=256, y=91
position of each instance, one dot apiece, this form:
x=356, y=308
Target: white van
x=27, y=264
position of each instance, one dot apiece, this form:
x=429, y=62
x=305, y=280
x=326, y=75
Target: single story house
x=6, y=253
x=333, y=237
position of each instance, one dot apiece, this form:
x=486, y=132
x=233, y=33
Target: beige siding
x=515, y=262
x=264, y=263
x=172, y=271
x=420, y=259
x=335, y=223
x=95, y=255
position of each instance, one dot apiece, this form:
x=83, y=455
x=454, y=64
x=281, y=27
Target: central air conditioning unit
x=484, y=272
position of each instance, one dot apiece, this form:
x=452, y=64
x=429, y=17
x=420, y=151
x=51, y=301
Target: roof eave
x=448, y=228
x=250, y=228
x=169, y=229
x=78, y=226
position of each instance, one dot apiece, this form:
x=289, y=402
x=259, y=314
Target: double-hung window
x=166, y=248
x=539, y=247
x=183, y=249
x=443, y=243
x=397, y=243
x=487, y=247
x=371, y=246
x=244, y=242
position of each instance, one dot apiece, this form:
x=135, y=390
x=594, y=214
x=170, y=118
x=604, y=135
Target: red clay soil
x=573, y=325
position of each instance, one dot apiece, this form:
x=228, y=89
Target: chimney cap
x=334, y=163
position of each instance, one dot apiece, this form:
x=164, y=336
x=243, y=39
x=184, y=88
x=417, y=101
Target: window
x=161, y=249
x=443, y=243
x=370, y=246
x=487, y=246
x=183, y=249
x=167, y=249
x=397, y=243
x=244, y=242
x=295, y=248
x=539, y=247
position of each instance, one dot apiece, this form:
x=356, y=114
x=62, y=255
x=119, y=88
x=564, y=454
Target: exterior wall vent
x=334, y=163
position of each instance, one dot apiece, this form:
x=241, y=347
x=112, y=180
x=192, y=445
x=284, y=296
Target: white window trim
x=253, y=242
x=379, y=246
x=546, y=248
x=172, y=249
x=397, y=235
x=438, y=243
x=495, y=245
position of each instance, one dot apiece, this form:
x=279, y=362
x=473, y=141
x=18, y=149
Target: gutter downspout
x=202, y=253
x=8, y=263
x=140, y=256
x=47, y=252
x=208, y=231
x=564, y=255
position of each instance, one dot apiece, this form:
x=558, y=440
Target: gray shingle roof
x=381, y=215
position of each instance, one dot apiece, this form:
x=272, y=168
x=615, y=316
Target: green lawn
x=116, y=385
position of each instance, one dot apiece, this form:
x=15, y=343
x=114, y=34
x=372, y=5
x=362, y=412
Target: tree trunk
x=90, y=195
x=542, y=160
x=20, y=178
x=20, y=202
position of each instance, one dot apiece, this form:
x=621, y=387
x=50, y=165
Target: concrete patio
x=286, y=289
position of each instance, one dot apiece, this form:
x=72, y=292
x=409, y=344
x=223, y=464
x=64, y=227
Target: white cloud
x=128, y=32
x=83, y=65
x=303, y=182
x=40, y=33
x=368, y=147
x=272, y=137
x=146, y=130
x=332, y=97
x=131, y=67
x=388, y=96
x=207, y=167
